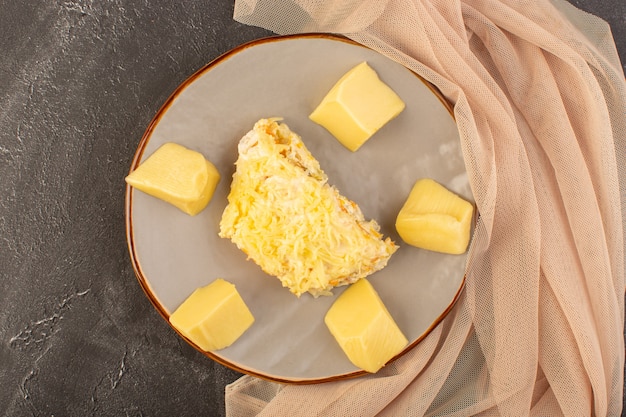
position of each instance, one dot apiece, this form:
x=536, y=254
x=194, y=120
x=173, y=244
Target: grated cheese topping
x=286, y=217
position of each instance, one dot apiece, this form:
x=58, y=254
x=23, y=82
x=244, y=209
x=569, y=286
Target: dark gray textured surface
x=79, y=83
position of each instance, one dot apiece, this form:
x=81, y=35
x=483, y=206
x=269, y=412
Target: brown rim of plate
x=143, y=282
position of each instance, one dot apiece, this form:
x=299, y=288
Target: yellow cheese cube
x=363, y=327
x=357, y=106
x=213, y=317
x=178, y=175
x=435, y=218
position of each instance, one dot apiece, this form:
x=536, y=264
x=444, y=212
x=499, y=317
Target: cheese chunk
x=286, y=217
x=213, y=317
x=177, y=175
x=435, y=218
x=363, y=327
x=357, y=106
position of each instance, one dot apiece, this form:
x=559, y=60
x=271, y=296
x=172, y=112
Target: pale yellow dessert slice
x=363, y=327
x=213, y=317
x=177, y=175
x=286, y=217
x=435, y=218
x=357, y=106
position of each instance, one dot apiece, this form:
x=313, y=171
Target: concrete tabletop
x=79, y=83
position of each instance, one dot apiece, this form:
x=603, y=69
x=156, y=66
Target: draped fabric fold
x=539, y=98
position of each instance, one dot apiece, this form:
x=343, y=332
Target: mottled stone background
x=79, y=82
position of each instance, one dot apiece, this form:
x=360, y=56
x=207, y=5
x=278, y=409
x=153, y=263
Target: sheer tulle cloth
x=540, y=101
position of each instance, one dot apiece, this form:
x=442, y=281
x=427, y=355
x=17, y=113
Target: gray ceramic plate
x=173, y=253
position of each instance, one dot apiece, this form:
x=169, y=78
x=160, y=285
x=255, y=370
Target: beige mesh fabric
x=540, y=101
